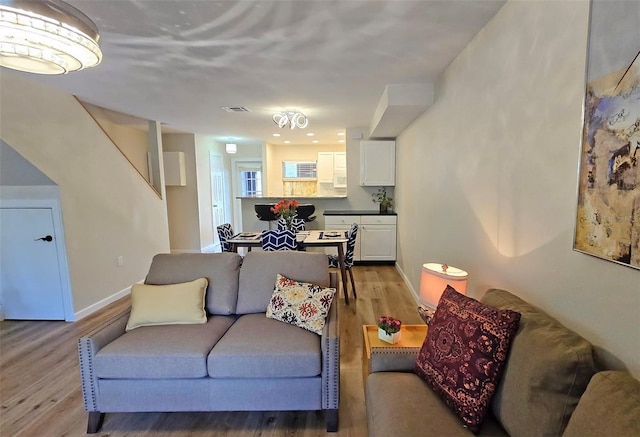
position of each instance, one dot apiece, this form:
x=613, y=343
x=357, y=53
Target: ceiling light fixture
x=291, y=118
x=231, y=148
x=46, y=37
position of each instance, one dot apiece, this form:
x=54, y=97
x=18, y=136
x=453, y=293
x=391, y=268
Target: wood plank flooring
x=40, y=380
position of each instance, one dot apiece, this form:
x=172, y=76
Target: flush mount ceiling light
x=291, y=118
x=46, y=37
x=231, y=148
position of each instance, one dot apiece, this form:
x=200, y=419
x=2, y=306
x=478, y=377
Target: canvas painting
x=608, y=213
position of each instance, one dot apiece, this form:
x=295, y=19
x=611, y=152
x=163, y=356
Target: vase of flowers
x=389, y=329
x=286, y=209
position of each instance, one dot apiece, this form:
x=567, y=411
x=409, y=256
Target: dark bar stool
x=264, y=213
x=304, y=212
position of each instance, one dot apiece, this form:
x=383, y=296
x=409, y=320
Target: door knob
x=48, y=238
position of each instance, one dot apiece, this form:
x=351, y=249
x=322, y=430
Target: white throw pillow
x=173, y=304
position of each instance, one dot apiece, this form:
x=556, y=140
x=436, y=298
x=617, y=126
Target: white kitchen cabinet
x=378, y=238
x=343, y=223
x=325, y=167
x=378, y=163
x=340, y=170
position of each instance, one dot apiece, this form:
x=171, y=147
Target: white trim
x=103, y=303
x=47, y=197
x=212, y=248
x=408, y=284
x=185, y=251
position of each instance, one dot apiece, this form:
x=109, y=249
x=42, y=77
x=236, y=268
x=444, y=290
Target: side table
x=378, y=354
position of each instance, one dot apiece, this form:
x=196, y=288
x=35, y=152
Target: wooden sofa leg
x=332, y=420
x=95, y=422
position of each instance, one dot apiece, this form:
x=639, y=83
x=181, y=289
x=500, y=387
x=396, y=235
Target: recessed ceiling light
x=341, y=134
x=315, y=141
x=276, y=135
x=287, y=141
x=310, y=134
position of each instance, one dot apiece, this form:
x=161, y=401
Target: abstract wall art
x=608, y=212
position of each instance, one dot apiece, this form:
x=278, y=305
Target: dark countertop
x=356, y=212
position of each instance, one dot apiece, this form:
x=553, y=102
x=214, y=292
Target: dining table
x=313, y=238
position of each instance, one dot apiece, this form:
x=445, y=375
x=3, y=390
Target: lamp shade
x=435, y=278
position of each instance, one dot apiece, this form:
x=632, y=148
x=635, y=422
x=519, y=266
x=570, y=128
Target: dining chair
x=297, y=224
x=225, y=232
x=334, y=262
x=278, y=240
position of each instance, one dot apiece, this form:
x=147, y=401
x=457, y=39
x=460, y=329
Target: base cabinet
x=376, y=240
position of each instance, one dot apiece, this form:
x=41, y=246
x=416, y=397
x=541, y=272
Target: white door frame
x=63, y=267
x=236, y=189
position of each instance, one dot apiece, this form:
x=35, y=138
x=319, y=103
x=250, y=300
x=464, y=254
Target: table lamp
x=435, y=278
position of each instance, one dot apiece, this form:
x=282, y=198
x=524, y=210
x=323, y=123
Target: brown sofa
x=550, y=387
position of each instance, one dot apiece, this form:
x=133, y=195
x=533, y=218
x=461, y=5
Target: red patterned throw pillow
x=464, y=354
x=300, y=304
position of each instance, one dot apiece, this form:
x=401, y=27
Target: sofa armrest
x=330, y=343
x=393, y=359
x=88, y=347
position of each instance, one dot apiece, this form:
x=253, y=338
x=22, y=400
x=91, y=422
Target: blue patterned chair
x=348, y=257
x=297, y=224
x=225, y=232
x=278, y=240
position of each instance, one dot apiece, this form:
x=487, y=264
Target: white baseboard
x=212, y=248
x=416, y=296
x=103, y=303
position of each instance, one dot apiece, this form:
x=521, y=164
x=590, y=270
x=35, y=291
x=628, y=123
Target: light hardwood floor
x=40, y=382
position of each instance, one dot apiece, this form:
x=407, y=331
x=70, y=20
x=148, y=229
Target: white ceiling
x=179, y=61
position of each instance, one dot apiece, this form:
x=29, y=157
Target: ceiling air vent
x=236, y=108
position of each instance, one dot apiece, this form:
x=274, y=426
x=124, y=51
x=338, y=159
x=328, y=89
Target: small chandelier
x=46, y=37
x=291, y=118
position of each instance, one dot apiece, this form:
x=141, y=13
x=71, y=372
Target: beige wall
x=108, y=209
x=182, y=202
x=133, y=142
x=487, y=177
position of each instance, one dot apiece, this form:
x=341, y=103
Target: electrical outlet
x=120, y=261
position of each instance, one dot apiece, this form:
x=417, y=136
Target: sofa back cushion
x=547, y=371
x=220, y=269
x=609, y=406
x=260, y=270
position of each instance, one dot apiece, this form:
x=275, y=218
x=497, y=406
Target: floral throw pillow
x=464, y=354
x=300, y=304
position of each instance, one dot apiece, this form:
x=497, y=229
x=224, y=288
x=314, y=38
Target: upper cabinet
x=378, y=163
x=332, y=169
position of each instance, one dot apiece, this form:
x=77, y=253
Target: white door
x=30, y=283
x=218, y=189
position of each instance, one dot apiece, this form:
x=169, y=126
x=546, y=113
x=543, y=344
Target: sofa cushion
x=260, y=269
x=258, y=347
x=220, y=269
x=156, y=352
x=401, y=404
x=464, y=353
x=548, y=369
x=174, y=304
x=300, y=304
x=609, y=407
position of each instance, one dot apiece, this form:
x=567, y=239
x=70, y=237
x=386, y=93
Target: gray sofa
x=542, y=391
x=238, y=361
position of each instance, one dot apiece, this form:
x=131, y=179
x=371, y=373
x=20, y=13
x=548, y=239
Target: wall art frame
x=608, y=207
